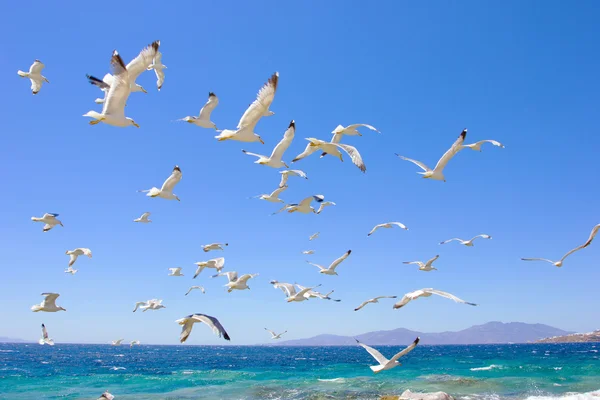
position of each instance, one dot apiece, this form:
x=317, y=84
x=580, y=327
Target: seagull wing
x=399, y=224
x=172, y=180
x=187, y=325
x=310, y=148
x=385, y=297
x=264, y=98
x=317, y=265
x=451, y=240
x=448, y=296
x=354, y=126
x=232, y=276
x=339, y=260
x=375, y=228
x=145, y=215
x=50, y=299
x=430, y=261
x=418, y=163
x=99, y=83
x=376, y=355
x=284, y=178
x=306, y=202
x=283, y=145
x=271, y=332
x=354, y=156
x=213, y=323
x=483, y=236
x=245, y=277
x=538, y=259
x=119, y=91
x=404, y=300
x=138, y=304
x=278, y=191
x=213, y=101
x=586, y=244
x=364, y=303
x=142, y=61
x=36, y=67
x=287, y=288
x=456, y=147
x=44, y=332
x=406, y=350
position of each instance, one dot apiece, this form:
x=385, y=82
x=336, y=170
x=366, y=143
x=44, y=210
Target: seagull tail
x=376, y=368
x=23, y=74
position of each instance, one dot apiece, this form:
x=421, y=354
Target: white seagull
x=203, y=119
x=274, y=196
x=189, y=321
x=314, y=236
x=116, y=342
x=213, y=246
x=559, y=263
x=195, y=287
x=290, y=291
x=71, y=271
x=333, y=149
x=153, y=304
x=143, y=219
x=384, y=363
x=477, y=146
x=350, y=130
x=314, y=294
x=113, y=111
x=45, y=339
x=48, y=304
x=308, y=252
x=236, y=283
x=134, y=342
x=81, y=251
x=468, y=243
x=274, y=335
x=373, y=300
x=216, y=263
x=331, y=269
x=274, y=160
x=49, y=219
x=105, y=84
x=437, y=173
x=303, y=207
x=35, y=76
x=387, y=225
x=166, y=191
x=424, y=266
x=158, y=68
x=323, y=205
x=106, y=396
x=427, y=293
x=258, y=109
x=290, y=172
x=175, y=272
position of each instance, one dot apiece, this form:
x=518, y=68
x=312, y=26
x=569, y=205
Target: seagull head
x=132, y=122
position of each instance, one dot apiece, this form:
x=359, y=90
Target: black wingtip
x=226, y=336
x=155, y=45
x=349, y=251
x=356, y=340
x=463, y=133
x=292, y=124
x=417, y=340
x=211, y=94
x=176, y=168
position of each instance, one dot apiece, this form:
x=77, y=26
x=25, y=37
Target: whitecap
x=45, y=362
x=569, y=396
x=117, y=368
x=488, y=368
x=339, y=380
x=558, y=368
x=300, y=358
x=119, y=355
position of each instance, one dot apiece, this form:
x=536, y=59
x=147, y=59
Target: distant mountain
x=573, y=338
x=11, y=340
x=492, y=332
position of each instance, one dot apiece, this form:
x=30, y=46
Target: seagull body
x=49, y=219
x=477, y=146
x=71, y=270
x=384, y=363
x=290, y=172
x=437, y=173
x=203, y=119
x=308, y=252
x=274, y=335
x=113, y=111
x=350, y=130
x=116, y=342
x=424, y=266
x=274, y=196
x=331, y=269
x=216, y=263
x=334, y=150
x=175, y=272
x=134, y=342
x=236, y=283
x=166, y=191
x=143, y=219
x=188, y=322
x=373, y=300
x=468, y=243
x=213, y=246
x=45, y=339
x=290, y=291
x=274, y=160
x=304, y=206
x=106, y=396
x=48, y=304
x=314, y=236
x=387, y=225
x=314, y=294
x=158, y=68
x=323, y=205
x=73, y=254
x=153, y=304
x=195, y=287
x=35, y=76
x=408, y=297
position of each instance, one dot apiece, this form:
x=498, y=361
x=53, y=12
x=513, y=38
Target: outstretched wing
x=354, y=155
x=213, y=323
x=271, y=332
x=451, y=240
x=264, y=98
x=213, y=101
x=44, y=332
x=278, y=191
x=142, y=61
x=317, y=265
x=376, y=355
x=430, y=261
x=406, y=350
x=448, y=296
x=374, y=229
x=483, y=236
x=456, y=147
x=119, y=91
x=364, y=303
x=36, y=67
x=538, y=259
x=418, y=163
x=245, y=277
x=354, y=126
x=287, y=288
x=587, y=243
x=310, y=148
x=172, y=180
x=283, y=145
x=97, y=82
x=339, y=260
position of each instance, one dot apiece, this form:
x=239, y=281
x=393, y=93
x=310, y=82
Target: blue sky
x=523, y=73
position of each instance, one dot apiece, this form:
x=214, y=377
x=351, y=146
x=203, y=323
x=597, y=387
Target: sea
x=77, y=371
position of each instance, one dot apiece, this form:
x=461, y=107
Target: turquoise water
x=70, y=371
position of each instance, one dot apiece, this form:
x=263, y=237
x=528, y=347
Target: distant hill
x=492, y=332
x=573, y=338
x=11, y=340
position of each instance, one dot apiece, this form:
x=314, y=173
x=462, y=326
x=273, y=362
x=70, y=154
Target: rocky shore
x=573, y=338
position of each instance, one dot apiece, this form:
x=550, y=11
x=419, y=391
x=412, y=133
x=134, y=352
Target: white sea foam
x=595, y=395
x=488, y=368
x=557, y=368
x=339, y=380
x=117, y=368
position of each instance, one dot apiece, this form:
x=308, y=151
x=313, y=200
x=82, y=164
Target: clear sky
x=523, y=73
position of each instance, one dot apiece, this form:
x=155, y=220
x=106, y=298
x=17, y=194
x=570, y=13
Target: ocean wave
x=595, y=395
x=117, y=368
x=488, y=368
x=339, y=380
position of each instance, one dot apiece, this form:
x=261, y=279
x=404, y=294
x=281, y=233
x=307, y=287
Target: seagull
x=213, y=246
x=117, y=342
x=158, y=68
x=303, y=207
x=113, y=111
x=437, y=172
x=274, y=335
x=49, y=219
x=189, y=321
x=48, y=304
x=314, y=236
x=477, y=146
x=373, y=300
x=216, y=263
x=258, y=109
x=45, y=339
x=384, y=363
x=290, y=291
x=427, y=293
x=203, y=119
x=559, y=263
x=314, y=294
x=35, y=76
x=331, y=269
x=134, y=342
x=143, y=219
x=333, y=149
x=290, y=172
x=424, y=266
x=274, y=196
x=350, y=130
x=81, y=251
x=468, y=243
x=274, y=160
x=308, y=252
x=323, y=205
x=106, y=396
x=105, y=84
x=166, y=191
x=387, y=225
x=195, y=287
x=71, y=271
x=175, y=272
x=153, y=304
x=236, y=283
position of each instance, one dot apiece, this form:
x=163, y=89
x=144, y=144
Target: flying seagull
x=71, y=270
x=308, y=252
x=331, y=269
x=323, y=205
x=134, y=342
x=45, y=339
x=166, y=191
x=424, y=266
x=274, y=335
x=143, y=219
x=113, y=111
x=195, y=287
x=373, y=300
x=384, y=363
x=437, y=173
x=290, y=172
x=387, y=225
x=314, y=294
x=468, y=243
x=213, y=246
x=158, y=68
x=35, y=76
x=274, y=160
x=236, y=283
x=49, y=219
x=303, y=207
x=48, y=304
x=258, y=109
x=106, y=396
x=153, y=304
x=559, y=263
x=350, y=130
x=81, y=251
x=314, y=236
x=189, y=321
x=427, y=293
x=333, y=149
x=216, y=263
x=290, y=291
x=175, y=272
x=274, y=196
x=477, y=146
x=105, y=84
x=203, y=119
x=117, y=342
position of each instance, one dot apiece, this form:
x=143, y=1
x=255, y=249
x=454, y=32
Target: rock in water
x=408, y=395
